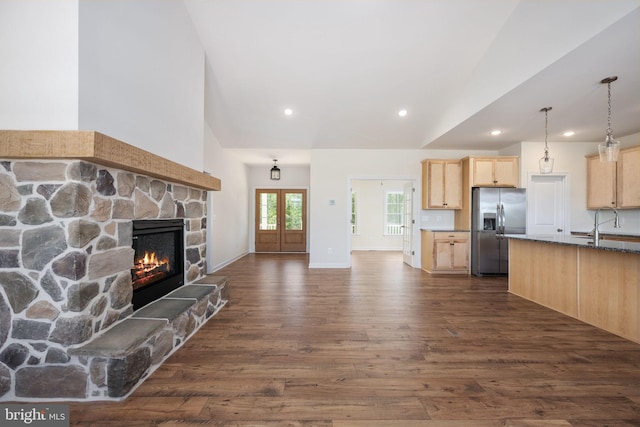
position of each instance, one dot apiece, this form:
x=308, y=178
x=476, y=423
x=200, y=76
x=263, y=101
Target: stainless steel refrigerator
x=496, y=212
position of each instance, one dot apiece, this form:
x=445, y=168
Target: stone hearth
x=65, y=259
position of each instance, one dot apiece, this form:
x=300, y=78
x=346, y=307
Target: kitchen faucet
x=596, y=231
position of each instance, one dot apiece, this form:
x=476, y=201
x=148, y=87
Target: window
x=268, y=211
x=354, y=214
x=393, y=210
x=293, y=211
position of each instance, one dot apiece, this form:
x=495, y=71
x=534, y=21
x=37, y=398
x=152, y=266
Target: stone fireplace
x=66, y=257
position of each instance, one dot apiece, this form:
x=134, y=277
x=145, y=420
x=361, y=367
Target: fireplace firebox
x=159, y=259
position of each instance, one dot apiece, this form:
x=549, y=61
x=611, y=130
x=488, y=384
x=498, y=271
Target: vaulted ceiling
x=460, y=68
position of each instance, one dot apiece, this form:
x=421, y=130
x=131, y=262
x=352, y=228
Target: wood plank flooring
x=380, y=345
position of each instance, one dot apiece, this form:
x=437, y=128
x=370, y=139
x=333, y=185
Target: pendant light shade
x=275, y=171
x=546, y=162
x=609, y=148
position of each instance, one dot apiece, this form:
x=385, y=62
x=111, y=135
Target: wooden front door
x=281, y=217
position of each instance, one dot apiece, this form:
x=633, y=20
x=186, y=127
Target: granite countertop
x=605, y=233
x=606, y=245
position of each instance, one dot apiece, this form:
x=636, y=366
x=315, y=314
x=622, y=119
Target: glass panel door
x=407, y=225
x=272, y=233
x=267, y=221
x=294, y=233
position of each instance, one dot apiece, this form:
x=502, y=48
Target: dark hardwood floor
x=382, y=344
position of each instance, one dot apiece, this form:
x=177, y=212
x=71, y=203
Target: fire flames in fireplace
x=148, y=269
x=158, y=261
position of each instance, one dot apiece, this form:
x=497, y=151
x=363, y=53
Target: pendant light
x=275, y=171
x=609, y=148
x=546, y=162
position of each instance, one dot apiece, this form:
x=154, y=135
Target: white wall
x=39, y=71
x=569, y=157
x=132, y=70
x=142, y=76
x=331, y=174
x=291, y=176
x=228, y=209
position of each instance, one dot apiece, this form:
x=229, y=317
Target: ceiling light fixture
x=288, y=111
x=546, y=162
x=275, y=171
x=402, y=113
x=496, y=132
x=609, y=148
x=569, y=133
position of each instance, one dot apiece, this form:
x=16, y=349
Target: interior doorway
x=382, y=216
x=281, y=220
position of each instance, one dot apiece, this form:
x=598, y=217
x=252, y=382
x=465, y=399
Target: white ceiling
x=460, y=67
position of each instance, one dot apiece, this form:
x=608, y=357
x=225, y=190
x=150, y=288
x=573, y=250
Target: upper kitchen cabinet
x=441, y=184
x=500, y=171
x=614, y=184
x=495, y=172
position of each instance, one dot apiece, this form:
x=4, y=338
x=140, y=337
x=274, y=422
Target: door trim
x=416, y=228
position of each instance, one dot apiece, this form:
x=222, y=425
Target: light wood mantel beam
x=101, y=149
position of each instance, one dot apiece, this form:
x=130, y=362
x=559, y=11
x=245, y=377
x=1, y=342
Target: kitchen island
x=597, y=284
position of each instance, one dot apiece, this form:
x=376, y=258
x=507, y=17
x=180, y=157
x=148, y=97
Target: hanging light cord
x=546, y=147
x=546, y=129
x=609, y=130
x=608, y=81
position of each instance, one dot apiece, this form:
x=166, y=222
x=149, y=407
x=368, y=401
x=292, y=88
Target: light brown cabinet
x=445, y=252
x=494, y=172
x=441, y=184
x=596, y=286
x=614, y=184
x=501, y=171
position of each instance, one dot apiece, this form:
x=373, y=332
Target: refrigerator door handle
x=502, y=220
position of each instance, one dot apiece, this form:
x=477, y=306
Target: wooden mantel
x=101, y=149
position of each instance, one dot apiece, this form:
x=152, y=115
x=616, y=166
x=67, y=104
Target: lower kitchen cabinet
x=445, y=252
x=596, y=286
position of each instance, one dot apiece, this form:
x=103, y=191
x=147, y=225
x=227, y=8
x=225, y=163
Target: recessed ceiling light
x=496, y=132
x=402, y=113
x=288, y=111
x=569, y=133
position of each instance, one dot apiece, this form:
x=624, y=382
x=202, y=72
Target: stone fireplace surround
x=67, y=201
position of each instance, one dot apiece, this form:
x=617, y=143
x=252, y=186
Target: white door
x=407, y=225
x=548, y=204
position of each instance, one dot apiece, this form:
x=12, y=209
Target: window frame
x=387, y=228
x=354, y=213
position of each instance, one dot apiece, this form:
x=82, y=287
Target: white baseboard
x=329, y=265
x=213, y=269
